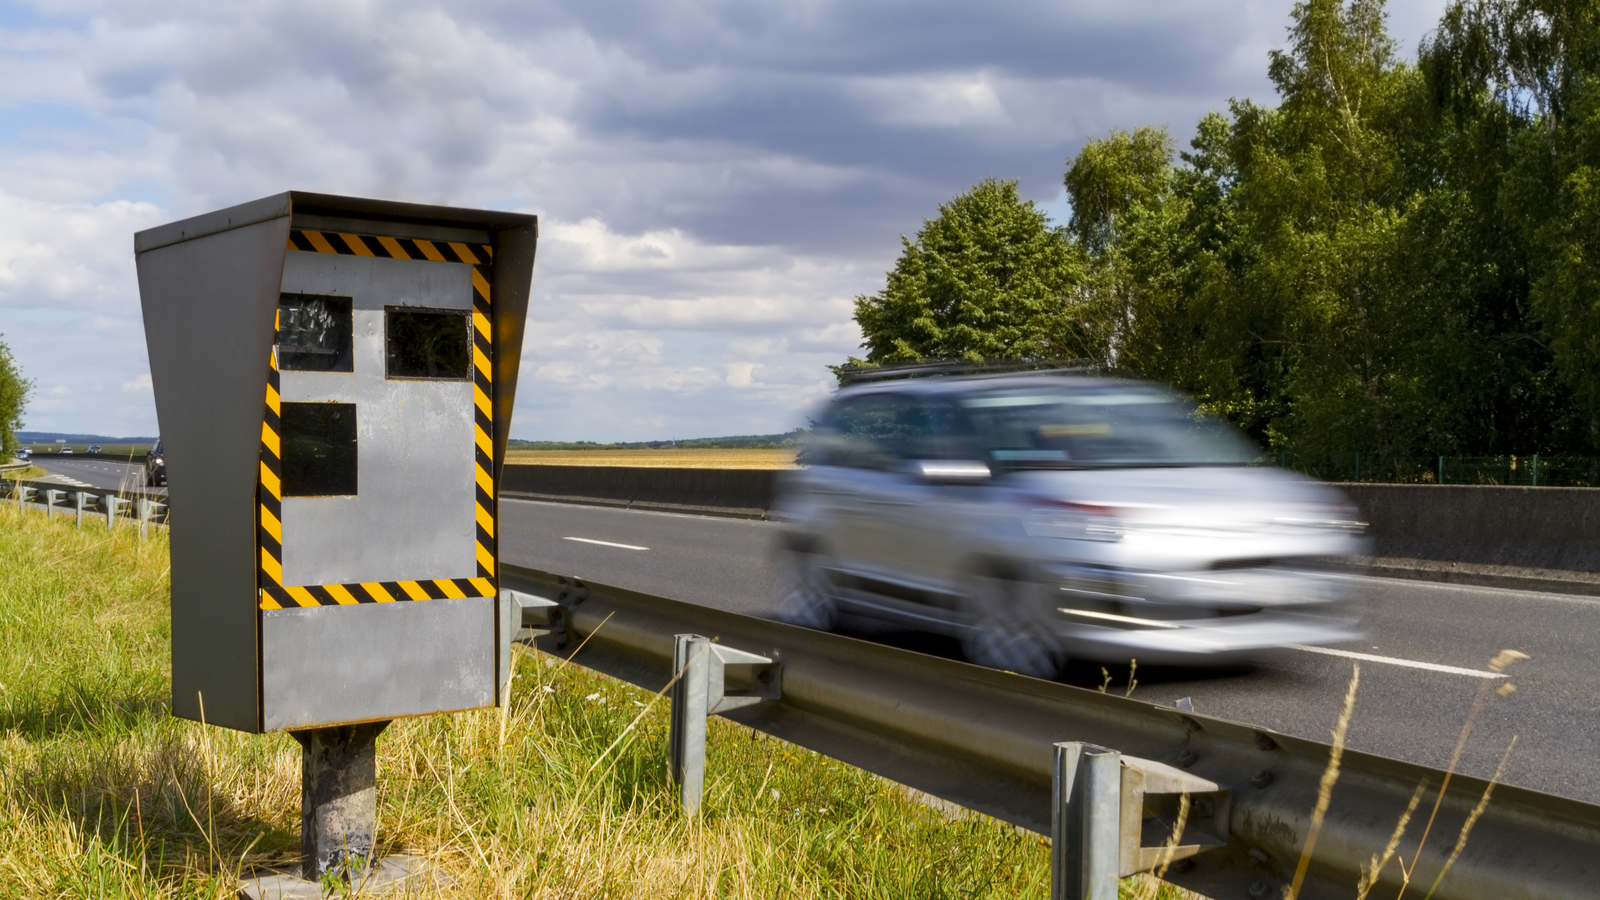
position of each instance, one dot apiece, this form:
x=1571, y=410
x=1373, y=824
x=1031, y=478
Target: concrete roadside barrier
x=1543, y=539
x=740, y=493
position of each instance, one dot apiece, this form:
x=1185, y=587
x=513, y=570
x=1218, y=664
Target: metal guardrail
x=987, y=741
x=111, y=504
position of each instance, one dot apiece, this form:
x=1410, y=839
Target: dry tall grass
x=103, y=794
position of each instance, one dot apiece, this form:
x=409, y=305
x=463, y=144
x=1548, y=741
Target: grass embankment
x=19, y=474
x=103, y=794
x=690, y=458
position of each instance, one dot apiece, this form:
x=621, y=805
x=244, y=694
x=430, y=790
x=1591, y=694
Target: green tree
x=13, y=400
x=989, y=278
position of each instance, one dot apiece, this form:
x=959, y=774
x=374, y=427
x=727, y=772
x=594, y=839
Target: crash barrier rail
x=1035, y=753
x=110, y=503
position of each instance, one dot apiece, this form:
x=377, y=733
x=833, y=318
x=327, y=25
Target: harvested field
x=778, y=458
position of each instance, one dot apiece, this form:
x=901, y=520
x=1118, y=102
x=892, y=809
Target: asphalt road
x=97, y=473
x=1409, y=704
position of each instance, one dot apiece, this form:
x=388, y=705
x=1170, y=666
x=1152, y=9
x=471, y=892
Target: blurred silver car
x=1046, y=515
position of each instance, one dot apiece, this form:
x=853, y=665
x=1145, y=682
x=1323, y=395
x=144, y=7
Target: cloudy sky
x=716, y=179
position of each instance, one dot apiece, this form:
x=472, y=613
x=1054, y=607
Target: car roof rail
x=850, y=374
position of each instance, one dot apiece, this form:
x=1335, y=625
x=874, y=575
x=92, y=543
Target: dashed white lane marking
x=604, y=543
x=1394, y=661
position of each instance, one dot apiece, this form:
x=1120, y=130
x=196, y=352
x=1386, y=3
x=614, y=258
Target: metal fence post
x=1085, y=822
x=111, y=502
x=50, y=498
x=700, y=691
x=79, y=495
x=1536, y=470
x=686, y=752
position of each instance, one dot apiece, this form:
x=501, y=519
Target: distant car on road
x=24, y=453
x=64, y=451
x=94, y=448
x=155, y=466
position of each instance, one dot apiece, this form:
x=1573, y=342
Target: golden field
x=772, y=458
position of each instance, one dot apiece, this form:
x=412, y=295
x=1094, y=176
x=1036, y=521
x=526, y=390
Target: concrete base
x=399, y=876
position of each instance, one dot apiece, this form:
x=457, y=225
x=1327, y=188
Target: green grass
x=103, y=794
x=26, y=473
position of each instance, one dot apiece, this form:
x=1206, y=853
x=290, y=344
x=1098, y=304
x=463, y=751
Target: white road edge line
x=1390, y=660
x=604, y=543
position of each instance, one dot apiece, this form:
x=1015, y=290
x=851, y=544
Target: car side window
x=942, y=431
x=873, y=431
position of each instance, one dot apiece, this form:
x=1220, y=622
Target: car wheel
x=1002, y=633
x=803, y=591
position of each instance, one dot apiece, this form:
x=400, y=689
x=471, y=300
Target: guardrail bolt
x=1204, y=808
x=1260, y=856
x=1186, y=758
x=1260, y=890
x=1263, y=742
x=1261, y=779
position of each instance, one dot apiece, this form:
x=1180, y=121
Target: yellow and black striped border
x=274, y=594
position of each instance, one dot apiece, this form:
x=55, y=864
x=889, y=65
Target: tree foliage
x=988, y=279
x=1397, y=257
x=13, y=400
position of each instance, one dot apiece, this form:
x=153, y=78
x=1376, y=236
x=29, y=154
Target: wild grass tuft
x=103, y=794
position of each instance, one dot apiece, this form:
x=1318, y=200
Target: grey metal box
x=334, y=521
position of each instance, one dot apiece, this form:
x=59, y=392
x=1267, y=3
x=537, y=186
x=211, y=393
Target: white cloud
x=716, y=182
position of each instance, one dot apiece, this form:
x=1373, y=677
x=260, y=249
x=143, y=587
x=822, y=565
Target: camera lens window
x=431, y=344
x=314, y=333
x=318, y=441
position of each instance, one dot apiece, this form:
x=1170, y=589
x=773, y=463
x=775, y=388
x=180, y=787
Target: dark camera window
x=319, y=449
x=314, y=333
x=428, y=343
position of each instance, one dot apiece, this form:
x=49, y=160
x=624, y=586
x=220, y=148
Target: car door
x=870, y=431
x=936, y=525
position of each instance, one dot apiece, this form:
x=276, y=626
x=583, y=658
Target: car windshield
x=1115, y=426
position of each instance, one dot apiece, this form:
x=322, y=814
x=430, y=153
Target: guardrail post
x=701, y=691
x=50, y=498
x=525, y=617
x=1085, y=822
x=111, y=502
x=79, y=496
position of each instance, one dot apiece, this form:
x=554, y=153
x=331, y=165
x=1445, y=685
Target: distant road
x=97, y=473
x=1426, y=656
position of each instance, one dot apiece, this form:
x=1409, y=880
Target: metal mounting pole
x=1085, y=825
x=700, y=691
x=111, y=501
x=338, y=799
x=80, y=495
x=50, y=498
